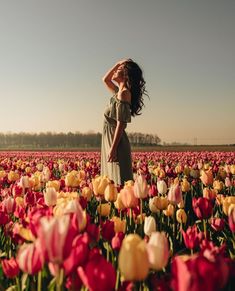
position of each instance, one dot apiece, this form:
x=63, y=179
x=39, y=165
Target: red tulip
x=10, y=267
x=78, y=255
x=231, y=220
x=107, y=230
x=198, y=273
x=4, y=218
x=191, y=239
x=202, y=207
x=152, y=191
x=98, y=274
x=217, y=223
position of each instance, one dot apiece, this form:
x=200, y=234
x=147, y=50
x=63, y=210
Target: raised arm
x=107, y=79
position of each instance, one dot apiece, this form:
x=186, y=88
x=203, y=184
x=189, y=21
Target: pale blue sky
x=53, y=55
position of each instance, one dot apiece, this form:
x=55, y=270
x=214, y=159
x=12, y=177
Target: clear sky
x=54, y=53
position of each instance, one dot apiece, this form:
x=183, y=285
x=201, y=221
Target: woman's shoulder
x=124, y=96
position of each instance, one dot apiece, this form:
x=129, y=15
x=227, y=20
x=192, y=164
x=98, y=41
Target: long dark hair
x=136, y=84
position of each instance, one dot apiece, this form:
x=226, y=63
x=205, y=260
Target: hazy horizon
x=53, y=56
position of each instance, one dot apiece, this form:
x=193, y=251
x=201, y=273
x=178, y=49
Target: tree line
x=68, y=140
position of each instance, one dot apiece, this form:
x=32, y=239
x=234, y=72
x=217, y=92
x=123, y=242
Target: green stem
x=60, y=279
x=204, y=226
x=117, y=280
x=18, y=283
x=130, y=217
x=39, y=287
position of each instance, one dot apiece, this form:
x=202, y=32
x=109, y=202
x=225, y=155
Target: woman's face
x=120, y=74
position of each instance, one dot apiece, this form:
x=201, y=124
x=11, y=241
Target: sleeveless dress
x=121, y=170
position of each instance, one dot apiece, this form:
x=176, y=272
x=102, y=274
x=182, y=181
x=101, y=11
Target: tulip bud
x=50, y=196
x=175, y=194
x=228, y=182
x=191, y=237
x=170, y=210
x=181, y=216
x=104, y=209
x=218, y=185
x=185, y=185
x=119, y=225
x=118, y=203
x=128, y=197
x=87, y=193
x=110, y=192
x=24, y=182
x=209, y=193
x=152, y=206
x=133, y=258
x=160, y=202
x=206, y=177
x=10, y=267
x=141, y=187
x=162, y=187
x=55, y=184
x=149, y=225
x=202, y=207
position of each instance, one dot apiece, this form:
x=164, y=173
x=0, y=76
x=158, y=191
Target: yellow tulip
x=185, y=185
x=232, y=169
x=118, y=203
x=133, y=258
x=87, y=193
x=181, y=216
x=13, y=176
x=119, y=225
x=170, y=210
x=218, y=185
x=110, y=192
x=2, y=174
x=104, y=209
x=53, y=184
x=160, y=202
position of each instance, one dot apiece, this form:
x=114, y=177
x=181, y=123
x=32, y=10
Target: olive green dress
x=121, y=170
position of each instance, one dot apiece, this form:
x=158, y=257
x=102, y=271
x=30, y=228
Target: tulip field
x=65, y=227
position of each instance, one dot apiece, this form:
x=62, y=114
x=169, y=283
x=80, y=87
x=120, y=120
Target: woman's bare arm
x=116, y=139
x=107, y=79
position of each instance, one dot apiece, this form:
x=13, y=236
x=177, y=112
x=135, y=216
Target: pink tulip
x=30, y=257
x=73, y=206
x=141, y=187
x=128, y=197
x=56, y=235
x=158, y=250
x=175, y=194
x=8, y=205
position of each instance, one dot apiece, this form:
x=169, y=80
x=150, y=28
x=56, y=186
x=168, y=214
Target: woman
x=125, y=80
